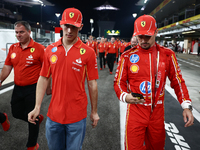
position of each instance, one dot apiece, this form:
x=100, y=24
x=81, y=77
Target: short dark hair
x=24, y=23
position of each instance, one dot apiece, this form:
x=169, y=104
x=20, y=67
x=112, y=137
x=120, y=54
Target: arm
x=178, y=84
x=40, y=91
x=93, y=92
x=49, y=88
x=120, y=84
x=5, y=72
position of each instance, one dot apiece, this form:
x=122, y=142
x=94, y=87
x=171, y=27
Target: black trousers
x=2, y=117
x=102, y=59
x=110, y=60
x=22, y=102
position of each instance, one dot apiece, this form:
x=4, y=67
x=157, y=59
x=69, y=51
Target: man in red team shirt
x=26, y=58
x=111, y=54
x=145, y=68
x=69, y=61
x=91, y=43
x=102, y=47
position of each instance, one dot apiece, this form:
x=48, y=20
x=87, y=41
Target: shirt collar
x=77, y=44
x=31, y=43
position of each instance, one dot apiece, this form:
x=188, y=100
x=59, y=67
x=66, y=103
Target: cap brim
x=71, y=23
x=149, y=33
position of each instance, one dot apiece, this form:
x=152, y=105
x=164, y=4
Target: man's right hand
x=32, y=115
x=133, y=100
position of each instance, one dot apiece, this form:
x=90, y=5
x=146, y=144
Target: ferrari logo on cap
x=82, y=51
x=71, y=14
x=32, y=50
x=143, y=23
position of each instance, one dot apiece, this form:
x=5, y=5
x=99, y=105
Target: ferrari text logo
x=71, y=14
x=143, y=23
x=82, y=51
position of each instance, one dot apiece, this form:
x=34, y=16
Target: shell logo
x=134, y=68
x=13, y=55
x=53, y=59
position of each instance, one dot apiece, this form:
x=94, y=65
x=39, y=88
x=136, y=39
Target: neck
x=67, y=43
x=25, y=44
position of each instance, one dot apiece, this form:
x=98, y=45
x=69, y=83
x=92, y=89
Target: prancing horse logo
x=143, y=23
x=71, y=14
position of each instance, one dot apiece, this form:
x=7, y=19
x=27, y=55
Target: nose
x=69, y=29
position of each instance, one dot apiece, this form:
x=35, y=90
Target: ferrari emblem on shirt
x=82, y=51
x=71, y=14
x=13, y=55
x=32, y=50
x=53, y=59
x=143, y=23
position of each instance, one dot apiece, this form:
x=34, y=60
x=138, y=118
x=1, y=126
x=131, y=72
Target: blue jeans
x=65, y=136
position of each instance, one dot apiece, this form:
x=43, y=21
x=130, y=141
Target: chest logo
x=71, y=14
x=32, y=50
x=54, y=49
x=143, y=87
x=143, y=23
x=13, y=55
x=53, y=59
x=134, y=68
x=134, y=58
x=82, y=51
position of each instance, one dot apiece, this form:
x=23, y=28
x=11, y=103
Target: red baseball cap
x=145, y=25
x=71, y=16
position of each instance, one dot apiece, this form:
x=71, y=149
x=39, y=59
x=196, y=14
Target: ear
x=156, y=32
x=80, y=28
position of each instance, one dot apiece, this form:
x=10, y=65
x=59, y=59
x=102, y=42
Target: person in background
x=123, y=44
x=69, y=62
x=111, y=54
x=26, y=57
x=133, y=42
x=102, y=47
x=91, y=43
x=145, y=67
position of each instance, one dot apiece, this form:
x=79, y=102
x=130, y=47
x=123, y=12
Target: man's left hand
x=188, y=117
x=94, y=117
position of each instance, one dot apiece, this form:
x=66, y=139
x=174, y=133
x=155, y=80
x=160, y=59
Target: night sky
x=123, y=17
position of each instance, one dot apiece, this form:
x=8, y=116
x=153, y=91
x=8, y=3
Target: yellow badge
x=134, y=68
x=82, y=51
x=32, y=50
x=53, y=59
x=13, y=55
x=143, y=23
x=71, y=14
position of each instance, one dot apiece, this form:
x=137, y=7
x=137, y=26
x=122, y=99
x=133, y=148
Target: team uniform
x=27, y=64
x=102, y=49
x=139, y=70
x=68, y=70
x=122, y=47
x=93, y=45
x=112, y=53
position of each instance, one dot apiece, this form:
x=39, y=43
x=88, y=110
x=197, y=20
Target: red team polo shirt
x=102, y=47
x=112, y=48
x=69, y=70
x=92, y=45
x=27, y=62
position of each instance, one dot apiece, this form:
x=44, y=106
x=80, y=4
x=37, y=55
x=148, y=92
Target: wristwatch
x=190, y=107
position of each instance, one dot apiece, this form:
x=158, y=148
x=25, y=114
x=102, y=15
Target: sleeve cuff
x=185, y=104
x=123, y=97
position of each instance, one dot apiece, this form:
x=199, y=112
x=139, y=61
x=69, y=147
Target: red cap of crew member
x=71, y=16
x=145, y=25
